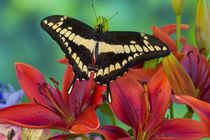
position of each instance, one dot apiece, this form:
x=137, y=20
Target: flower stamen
x=147, y=117
x=188, y=54
x=191, y=67
x=202, y=80
x=40, y=88
x=55, y=83
x=56, y=86
x=52, y=99
x=36, y=102
x=201, y=50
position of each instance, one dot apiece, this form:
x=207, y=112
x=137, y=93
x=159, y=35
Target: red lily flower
x=198, y=67
x=180, y=81
x=143, y=108
x=49, y=107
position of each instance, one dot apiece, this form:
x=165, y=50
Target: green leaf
x=105, y=109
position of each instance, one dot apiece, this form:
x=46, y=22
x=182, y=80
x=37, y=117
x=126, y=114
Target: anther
x=158, y=92
x=188, y=54
x=36, y=102
x=143, y=83
x=44, y=85
x=54, y=82
x=201, y=50
x=198, y=59
x=40, y=88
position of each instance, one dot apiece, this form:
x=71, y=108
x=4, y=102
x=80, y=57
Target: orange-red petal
x=28, y=78
x=164, y=33
x=171, y=28
x=63, y=61
x=32, y=116
x=113, y=133
x=181, y=129
x=202, y=108
x=142, y=74
x=127, y=100
x=86, y=122
x=160, y=95
x=160, y=34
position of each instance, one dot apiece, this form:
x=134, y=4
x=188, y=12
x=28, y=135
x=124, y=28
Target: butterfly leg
x=108, y=95
x=72, y=85
x=93, y=67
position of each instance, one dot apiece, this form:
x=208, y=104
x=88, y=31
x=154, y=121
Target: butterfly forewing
x=119, y=51
x=75, y=38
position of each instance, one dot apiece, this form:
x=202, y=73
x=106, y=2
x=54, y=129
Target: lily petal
x=160, y=34
x=202, y=108
x=164, y=33
x=63, y=61
x=79, y=94
x=181, y=129
x=171, y=28
x=179, y=56
x=142, y=74
x=127, y=103
x=28, y=78
x=86, y=122
x=67, y=79
x=159, y=93
x=97, y=94
x=32, y=116
x=111, y=132
x=179, y=79
x=60, y=137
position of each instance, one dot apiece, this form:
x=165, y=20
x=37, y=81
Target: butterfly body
x=108, y=54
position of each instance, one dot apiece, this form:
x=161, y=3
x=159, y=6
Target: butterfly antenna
x=94, y=10
x=111, y=17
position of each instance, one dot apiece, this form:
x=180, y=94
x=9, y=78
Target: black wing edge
x=54, y=19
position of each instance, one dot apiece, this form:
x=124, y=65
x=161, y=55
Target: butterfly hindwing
x=118, y=51
x=75, y=38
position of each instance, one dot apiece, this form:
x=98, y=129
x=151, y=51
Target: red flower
x=180, y=81
x=49, y=107
x=143, y=108
x=198, y=68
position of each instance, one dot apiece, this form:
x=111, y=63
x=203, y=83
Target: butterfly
x=108, y=54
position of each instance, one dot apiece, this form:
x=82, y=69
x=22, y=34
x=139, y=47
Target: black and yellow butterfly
x=114, y=52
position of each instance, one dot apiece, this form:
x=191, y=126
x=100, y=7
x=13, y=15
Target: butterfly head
x=101, y=24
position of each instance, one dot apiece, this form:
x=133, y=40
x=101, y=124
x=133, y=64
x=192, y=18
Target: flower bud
x=203, y=26
x=178, y=6
x=180, y=81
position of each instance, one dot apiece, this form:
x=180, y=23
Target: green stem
x=172, y=110
x=189, y=114
x=178, y=30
